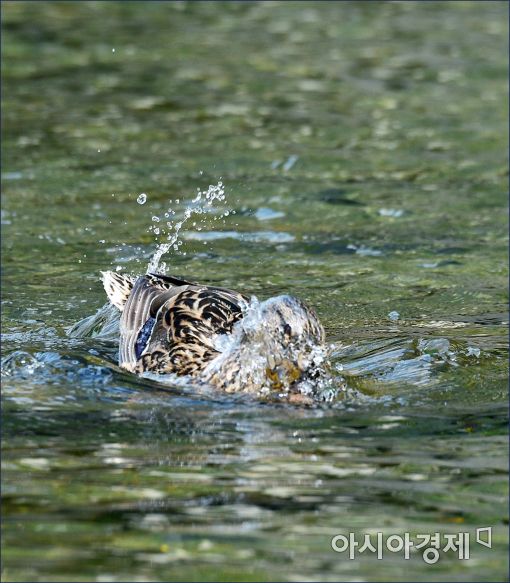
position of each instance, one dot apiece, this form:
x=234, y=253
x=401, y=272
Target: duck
x=215, y=335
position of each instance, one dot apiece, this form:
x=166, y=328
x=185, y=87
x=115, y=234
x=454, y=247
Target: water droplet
x=396, y=213
x=155, y=219
x=213, y=193
x=142, y=198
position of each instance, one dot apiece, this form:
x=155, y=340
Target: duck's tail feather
x=118, y=287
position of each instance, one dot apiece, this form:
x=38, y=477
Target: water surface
x=363, y=149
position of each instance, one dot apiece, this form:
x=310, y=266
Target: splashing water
x=202, y=203
x=167, y=228
x=258, y=357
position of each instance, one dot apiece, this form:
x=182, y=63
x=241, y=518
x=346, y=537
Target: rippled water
x=363, y=153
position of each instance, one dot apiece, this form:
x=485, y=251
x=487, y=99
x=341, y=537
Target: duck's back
x=170, y=325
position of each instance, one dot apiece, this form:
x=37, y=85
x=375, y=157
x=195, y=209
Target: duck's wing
x=172, y=327
x=138, y=313
x=182, y=336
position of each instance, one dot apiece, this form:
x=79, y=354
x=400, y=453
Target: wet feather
x=171, y=325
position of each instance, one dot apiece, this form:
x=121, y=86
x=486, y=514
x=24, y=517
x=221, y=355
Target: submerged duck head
x=277, y=343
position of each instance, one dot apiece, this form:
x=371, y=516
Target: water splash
x=103, y=325
x=261, y=357
x=202, y=203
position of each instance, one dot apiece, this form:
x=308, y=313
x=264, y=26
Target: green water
x=376, y=134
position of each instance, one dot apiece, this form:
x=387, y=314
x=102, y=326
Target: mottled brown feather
x=187, y=319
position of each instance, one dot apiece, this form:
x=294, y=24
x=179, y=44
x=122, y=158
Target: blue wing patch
x=143, y=337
